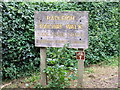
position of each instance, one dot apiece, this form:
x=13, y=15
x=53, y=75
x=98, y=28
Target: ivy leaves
x=20, y=53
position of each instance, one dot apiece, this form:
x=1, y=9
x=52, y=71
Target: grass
x=110, y=62
x=89, y=70
x=27, y=82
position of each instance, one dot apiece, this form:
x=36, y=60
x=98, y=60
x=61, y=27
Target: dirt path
x=94, y=77
x=101, y=77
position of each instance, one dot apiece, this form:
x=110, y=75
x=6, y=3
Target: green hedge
x=20, y=56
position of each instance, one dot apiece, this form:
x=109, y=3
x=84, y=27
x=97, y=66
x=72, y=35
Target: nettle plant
x=57, y=76
x=59, y=67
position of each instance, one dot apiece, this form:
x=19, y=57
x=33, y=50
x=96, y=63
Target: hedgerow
x=21, y=57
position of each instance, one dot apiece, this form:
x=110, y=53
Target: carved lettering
x=60, y=17
x=70, y=26
x=56, y=26
x=79, y=26
x=45, y=26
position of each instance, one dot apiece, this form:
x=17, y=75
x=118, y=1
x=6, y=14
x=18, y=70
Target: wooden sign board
x=57, y=28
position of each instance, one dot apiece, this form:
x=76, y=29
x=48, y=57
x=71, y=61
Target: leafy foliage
x=59, y=67
x=20, y=56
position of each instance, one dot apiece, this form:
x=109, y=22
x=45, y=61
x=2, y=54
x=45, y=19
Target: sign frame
x=47, y=36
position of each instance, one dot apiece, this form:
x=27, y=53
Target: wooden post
x=43, y=79
x=80, y=71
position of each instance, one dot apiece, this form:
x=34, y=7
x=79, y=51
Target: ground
x=100, y=77
x=94, y=77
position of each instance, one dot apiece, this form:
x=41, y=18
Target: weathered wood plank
x=55, y=29
x=43, y=79
x=80, y=71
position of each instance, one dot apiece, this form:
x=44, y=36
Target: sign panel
x=80, y=55
x=57, y=28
